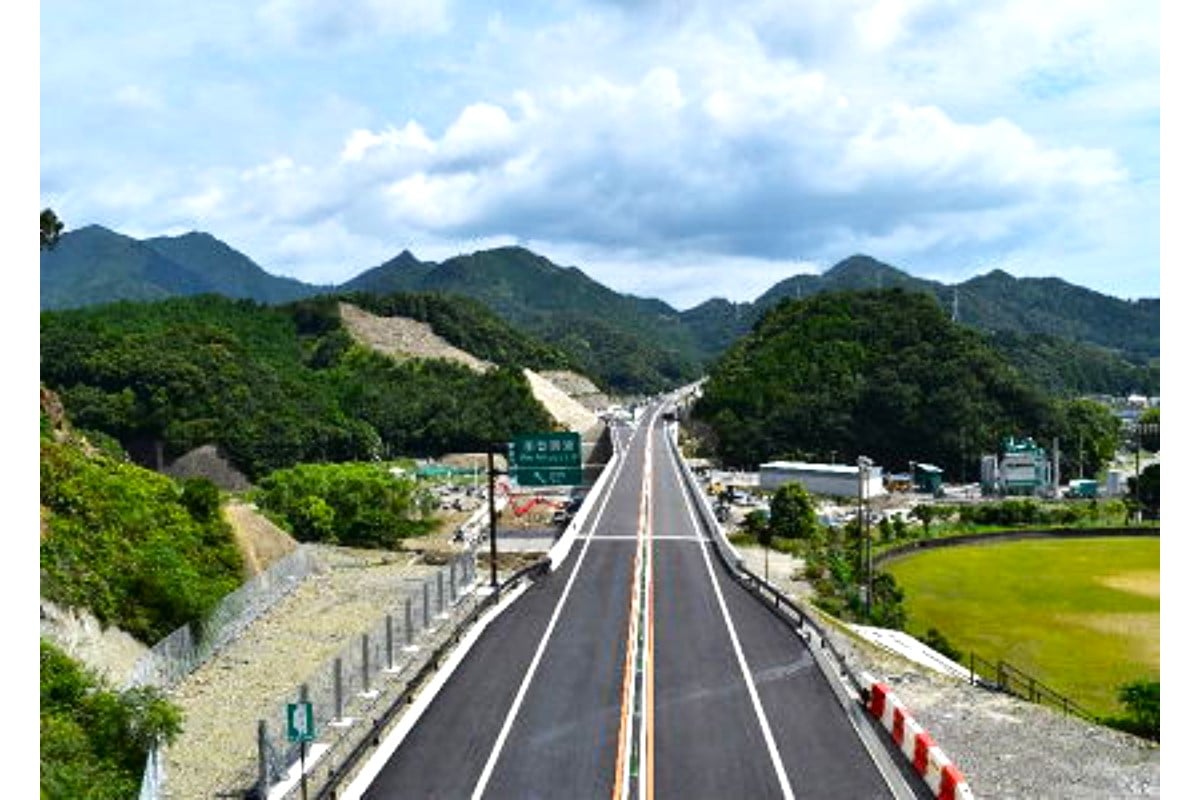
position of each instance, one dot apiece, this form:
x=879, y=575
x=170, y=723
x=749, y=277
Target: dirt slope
x=403, y=338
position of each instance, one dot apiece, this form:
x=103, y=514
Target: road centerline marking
x=633, y=772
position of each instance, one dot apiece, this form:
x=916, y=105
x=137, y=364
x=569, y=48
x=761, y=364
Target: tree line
x=277, y=386
x=885, y=374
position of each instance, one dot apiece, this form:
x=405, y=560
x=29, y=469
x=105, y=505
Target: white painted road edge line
x=502, y=737
x=409, y=719
x=780, y=773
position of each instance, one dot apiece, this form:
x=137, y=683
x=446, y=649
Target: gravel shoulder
x=224, y=699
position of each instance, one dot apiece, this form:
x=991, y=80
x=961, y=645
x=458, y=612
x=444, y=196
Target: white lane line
x=658, y=537
x=780, y=773
x=494, y=756
x=424, y=699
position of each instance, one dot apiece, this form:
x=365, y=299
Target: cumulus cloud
x=714, y=143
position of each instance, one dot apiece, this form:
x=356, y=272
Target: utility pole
x=491, y=468
x=864, y=527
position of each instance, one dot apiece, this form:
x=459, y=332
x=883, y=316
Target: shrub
x=1141, y=701
x=353, y=504
x=938, y=641
x=94, y=740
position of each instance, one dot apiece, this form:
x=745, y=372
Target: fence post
x=366, y=664
x=337, y=688
x=453, y=581
x=441, y=594
x=391, y=663
x=408, y=624
x=425, y=594
x=264, y=766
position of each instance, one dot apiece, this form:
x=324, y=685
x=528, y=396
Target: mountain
x=858, y=272
x=226, y=271
x=273, y=386
x=998, y=301
x=94, y=265
x=401, y=274
x=631, y=344
x=882, y=372
x=994, y=302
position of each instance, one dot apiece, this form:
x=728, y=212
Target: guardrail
x=370, y=737
x=831, y=662
x=346, y=688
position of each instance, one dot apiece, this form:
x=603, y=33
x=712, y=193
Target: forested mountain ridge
x=878, y=372
x=277, y=386
x=633, y=344
x=96, y=265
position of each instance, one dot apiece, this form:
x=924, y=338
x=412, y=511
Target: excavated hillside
x=403, y=338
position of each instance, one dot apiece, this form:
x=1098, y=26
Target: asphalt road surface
x=638, y=668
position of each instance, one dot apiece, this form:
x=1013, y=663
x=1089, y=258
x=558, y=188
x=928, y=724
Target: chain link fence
x=345, y=689
x=180, y=653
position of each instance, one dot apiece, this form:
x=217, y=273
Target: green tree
x=52, y=229
x=1090, y=435
x=1144, y=491
x=1140, y=699
x=793, y=514
x=758, y=525
x=926, y=515
x=94, y=740
x=1149, y=420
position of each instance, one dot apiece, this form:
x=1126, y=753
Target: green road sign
x=546, y=459
x=300, y=727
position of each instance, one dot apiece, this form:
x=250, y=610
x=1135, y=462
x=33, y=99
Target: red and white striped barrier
x=930, y=761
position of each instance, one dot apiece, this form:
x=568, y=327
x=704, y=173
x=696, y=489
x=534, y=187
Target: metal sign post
x=492, y=511
x=300, y=728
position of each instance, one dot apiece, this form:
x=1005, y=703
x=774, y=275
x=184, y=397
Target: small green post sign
x=300, y=727
x=546, y=459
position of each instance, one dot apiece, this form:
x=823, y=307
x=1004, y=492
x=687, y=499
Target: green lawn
x=1081, y=615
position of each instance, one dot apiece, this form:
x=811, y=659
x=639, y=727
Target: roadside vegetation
x=94, y=739
x=278, y=386
x=357, y=505
x=997, y=600
x=137, y=549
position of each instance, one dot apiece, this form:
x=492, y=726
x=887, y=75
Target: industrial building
x=837, y=480
x=1024, y=469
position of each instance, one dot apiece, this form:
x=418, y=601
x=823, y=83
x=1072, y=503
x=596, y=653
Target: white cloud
x=931, y=133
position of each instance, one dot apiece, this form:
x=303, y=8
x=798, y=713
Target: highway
x=638, y=668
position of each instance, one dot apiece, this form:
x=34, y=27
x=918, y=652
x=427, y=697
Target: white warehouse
x=837, y=480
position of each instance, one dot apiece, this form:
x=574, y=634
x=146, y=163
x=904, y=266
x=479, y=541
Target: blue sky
x=681, y=150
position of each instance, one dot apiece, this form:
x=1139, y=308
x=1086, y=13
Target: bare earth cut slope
x=403, y=338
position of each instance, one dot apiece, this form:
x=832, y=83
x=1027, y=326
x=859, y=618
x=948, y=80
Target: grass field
x=1081, y=615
